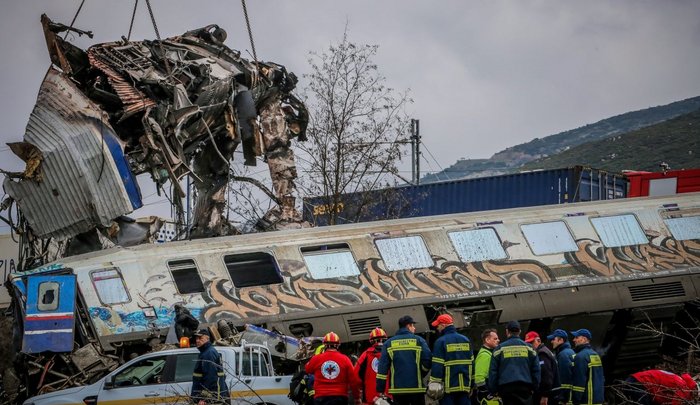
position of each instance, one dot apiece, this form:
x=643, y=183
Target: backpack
x=297, y=387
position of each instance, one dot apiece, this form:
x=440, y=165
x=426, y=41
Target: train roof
x=376, y=228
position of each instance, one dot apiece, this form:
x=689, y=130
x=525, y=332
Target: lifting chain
x=250, y=32
x=160, y=42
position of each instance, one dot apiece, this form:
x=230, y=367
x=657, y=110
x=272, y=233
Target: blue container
x=555, y=186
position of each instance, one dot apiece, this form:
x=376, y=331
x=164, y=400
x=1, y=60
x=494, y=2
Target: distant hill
x=512, y=158
x=676, y=142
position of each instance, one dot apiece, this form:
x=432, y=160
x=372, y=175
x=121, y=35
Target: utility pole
x=415, y=150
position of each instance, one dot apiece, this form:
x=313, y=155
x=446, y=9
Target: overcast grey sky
x=484, y=75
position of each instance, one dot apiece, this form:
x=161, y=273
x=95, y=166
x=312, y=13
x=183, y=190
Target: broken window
x=549, y=238
x=252, y=269
x=48, y=296
x=477, y=245
x=404, y=253
x=330, y=261
x=684, y=228
x=619, y=230
x=186, y=276
x=109, y=286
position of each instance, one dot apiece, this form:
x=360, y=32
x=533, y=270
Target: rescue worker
x=208, y=377
x=565, y=365
x=368, y=363
x=452, y=362
x=656, y=387
x=490, y=340
x=587, y=376
x=407, y=357
x=333, y=374
x=549, y=376
x=515, y=370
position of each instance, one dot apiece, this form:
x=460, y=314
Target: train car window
x=477, y=245
x=549, y=238
x=619, y=230
x=404, y=253
x=48, y=296
x=186, y=276
x=109, y=285
x=252, y=269
x=684, y=228
x=330, y=261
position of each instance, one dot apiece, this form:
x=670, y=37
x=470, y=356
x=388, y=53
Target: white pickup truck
x=165, y=377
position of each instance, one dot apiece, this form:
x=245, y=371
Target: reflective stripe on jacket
x=208, y=377
x=452, y=361
x=565, y=364
x=404, y=357
x=588, y=380
x=514, y=361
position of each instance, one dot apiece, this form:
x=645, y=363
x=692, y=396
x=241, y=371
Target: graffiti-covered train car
x=606, y=265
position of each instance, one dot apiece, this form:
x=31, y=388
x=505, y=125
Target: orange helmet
x=331, y=338
x=377, y=333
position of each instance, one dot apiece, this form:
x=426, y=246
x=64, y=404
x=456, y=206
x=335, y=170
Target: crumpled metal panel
x=133, y=99
x=86, y=180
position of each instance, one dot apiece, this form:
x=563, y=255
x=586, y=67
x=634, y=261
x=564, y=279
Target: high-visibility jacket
x=452, y=361
x=404, y=358
x=665, y=387
x=481, y=374
x=514, y=361
x=565, y=365
x=208, y=378
x=366, y=369
x=588, y=381
x=334, y=375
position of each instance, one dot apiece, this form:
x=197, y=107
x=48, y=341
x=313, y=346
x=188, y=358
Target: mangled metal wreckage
x=171, y=108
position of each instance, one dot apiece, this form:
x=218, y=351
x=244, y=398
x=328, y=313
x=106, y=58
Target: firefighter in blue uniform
x=405, y=357
x=515, y=369
x=452, y=362
x=588, y=382
x=565, y=365
x=208, y=378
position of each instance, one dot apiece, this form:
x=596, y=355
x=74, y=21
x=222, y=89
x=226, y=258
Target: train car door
x=49, y=316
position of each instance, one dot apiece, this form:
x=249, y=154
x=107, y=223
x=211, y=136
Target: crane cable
x=133, y=16
x=80, y=7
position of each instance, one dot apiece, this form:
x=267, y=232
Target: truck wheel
x=224, y=329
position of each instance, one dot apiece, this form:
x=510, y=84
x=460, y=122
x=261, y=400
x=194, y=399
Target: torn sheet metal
x=85, y=180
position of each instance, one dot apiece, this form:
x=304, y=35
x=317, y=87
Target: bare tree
x=356, y=131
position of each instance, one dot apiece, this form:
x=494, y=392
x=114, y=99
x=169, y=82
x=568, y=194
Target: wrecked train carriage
x=606, y=265
x=169, y=108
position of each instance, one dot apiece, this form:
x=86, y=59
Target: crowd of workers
x=513, y=371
